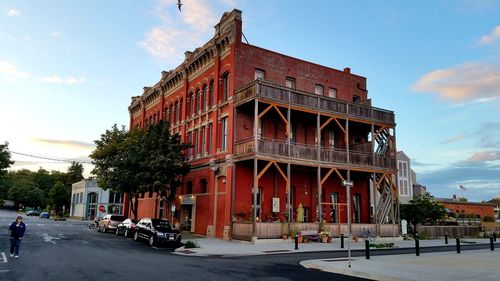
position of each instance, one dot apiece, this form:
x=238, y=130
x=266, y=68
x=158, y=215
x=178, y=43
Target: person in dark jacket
x=17, y=230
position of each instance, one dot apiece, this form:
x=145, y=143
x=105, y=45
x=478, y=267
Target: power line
x=50, y=158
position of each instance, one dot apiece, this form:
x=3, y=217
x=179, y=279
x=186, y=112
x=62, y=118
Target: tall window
x=191, y=107
x=318, y=89
x=203, y=185
x=224, y=131
x=225, y=86
x=196, y=144
x=190, y=140
x=209, y=139
x=211, y=94
x=331, y=138
x=177, y=112
x=189, y=187
x=334, y=200
x=357, y=208
x=259, y=200
x=161, y=209
x=203, y=141
x=332, y=92
x=197, y=105
x=356, y=98
x=290, y=82
x=204, y=99
x=259, y=74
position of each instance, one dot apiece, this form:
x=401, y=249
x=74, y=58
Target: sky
x=69, y=68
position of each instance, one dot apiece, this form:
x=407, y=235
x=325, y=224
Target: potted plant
x=324, y=235
x=284, y=230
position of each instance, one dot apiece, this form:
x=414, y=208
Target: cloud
x=10, y=70
x=13, y=13
x=67, y=143
x=58, y=80
x=475, y=81
x=453, y=139
x=491, y=38
x=488, y=134
x=484, y=156
x=55, y=34
x=179, y=31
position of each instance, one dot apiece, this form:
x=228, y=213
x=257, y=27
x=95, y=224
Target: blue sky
x=69, y=68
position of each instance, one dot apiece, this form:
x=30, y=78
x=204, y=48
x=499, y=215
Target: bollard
x=446, y=238
x=296, y=242
x=342, y=241
x=458, y=245
x=367, y=249
x=492, y=246
x=495, y=236
x=417, y=246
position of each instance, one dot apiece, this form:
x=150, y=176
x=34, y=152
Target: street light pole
x=348, y=184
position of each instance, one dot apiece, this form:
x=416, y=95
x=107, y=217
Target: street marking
x=4, y=271
x=47, y=238
x=4, y=257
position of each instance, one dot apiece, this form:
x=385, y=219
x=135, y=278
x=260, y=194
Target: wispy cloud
x=66, y=143
x=55, y=34
x=492, y=37
x=59, y=80
x=179, y=31
x=484, y=156
x=475, y=81
x=13, y=13
x=11, y=71
x=453, y=139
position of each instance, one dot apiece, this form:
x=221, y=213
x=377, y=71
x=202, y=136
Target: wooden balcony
x=267, y=90
x=309, y=153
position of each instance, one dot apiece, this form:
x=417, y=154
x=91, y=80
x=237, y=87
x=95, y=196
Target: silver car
x=110, y=222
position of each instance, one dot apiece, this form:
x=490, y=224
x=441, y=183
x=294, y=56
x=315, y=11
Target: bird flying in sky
x=463, y=188
x=179, y=4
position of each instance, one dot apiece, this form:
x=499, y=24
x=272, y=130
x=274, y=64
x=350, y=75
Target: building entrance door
x=186, y=217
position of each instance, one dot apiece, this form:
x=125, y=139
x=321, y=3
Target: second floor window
x=332, y=92
x=318, y=89
x=225, y=86
x=203, y=141
x=224, y=136
x=209, y=150
x=290, y=82
x=259, y=74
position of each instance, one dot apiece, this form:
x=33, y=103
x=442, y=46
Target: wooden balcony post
x=318, y=155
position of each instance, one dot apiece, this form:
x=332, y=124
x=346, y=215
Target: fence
x=436, y=231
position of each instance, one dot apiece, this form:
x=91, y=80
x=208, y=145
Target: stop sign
x=102, y=209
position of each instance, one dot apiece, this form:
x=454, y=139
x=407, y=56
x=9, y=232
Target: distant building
x=88, y=200
x=496, y=202
x=464, y=209
x=406, y=178
x=419, y=189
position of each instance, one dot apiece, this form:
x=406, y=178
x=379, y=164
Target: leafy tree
x=117, y=163
x=25, y=192
x=74, y=173
x=165, y=160
x=59, y=194
x=422, y=209
x=5, y=161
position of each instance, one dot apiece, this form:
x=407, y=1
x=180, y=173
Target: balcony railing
x=304, y=152
x=269, y=90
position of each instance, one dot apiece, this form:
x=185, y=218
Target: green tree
x=422, y=209
x=24, y=192
x=74, y=173
x=5, y=160
x=59, y=194
x=117, y=163
x=165, y=160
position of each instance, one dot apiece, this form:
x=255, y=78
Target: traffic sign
x=102, y=209
x=347, y=183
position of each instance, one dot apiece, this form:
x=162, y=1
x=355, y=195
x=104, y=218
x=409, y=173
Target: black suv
x=156, y=231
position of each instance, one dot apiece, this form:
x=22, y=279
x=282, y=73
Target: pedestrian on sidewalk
x=17, y=230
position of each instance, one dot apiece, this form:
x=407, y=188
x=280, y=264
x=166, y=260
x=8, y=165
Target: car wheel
x=136, y=237
x=126, y=233
x=151, y=241
x=117, y=232
x=98, y=228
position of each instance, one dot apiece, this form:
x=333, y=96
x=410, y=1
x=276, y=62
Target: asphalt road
x=68, y=250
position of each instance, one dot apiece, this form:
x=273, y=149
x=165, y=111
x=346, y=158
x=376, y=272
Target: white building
x=406, y=178
x=88, y=200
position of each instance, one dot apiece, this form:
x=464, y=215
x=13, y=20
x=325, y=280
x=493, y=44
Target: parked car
x=156, y=231
x=110, y=222
x=33, y=213
x=126, y=227
x=44, y=215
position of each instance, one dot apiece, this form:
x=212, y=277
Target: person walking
x=17, y=230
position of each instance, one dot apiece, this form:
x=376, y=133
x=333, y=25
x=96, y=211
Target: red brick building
x=270, y=129
x=458, y=208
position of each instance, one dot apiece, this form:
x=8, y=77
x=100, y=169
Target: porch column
x=288, y=194
x=255, y=171
x=372, y=190
x=318, y=156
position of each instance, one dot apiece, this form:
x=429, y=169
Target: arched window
x=225, y=86
x=197, y=98
x=192, y=108
x=356, y=98
x=202, y=99
x=177, y=112
x=171, y=118
x=206, y=95
x=180, y=111
x=211, y=94
x=165, y=114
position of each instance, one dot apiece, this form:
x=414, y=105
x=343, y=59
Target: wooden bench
x=310, y=234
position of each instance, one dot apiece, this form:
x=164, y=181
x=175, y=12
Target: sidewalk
x=479, y=265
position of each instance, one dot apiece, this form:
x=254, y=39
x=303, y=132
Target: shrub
x=381, y=245
x=191, y=244
x=488, y=219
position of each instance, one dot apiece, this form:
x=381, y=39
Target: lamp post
x=348, y=184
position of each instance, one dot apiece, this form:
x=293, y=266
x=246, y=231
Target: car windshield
x=162, y=224
x=117, y=218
